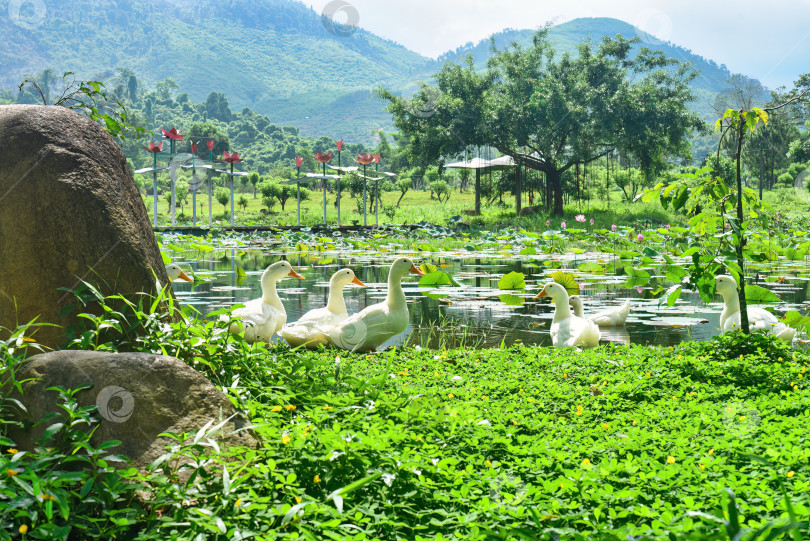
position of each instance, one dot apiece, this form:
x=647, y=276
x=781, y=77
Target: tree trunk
x=518, y=188
x=554, y=180
x=477, y=192
x=740, y=244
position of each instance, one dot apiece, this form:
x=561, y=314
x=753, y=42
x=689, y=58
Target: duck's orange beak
x=542, y=294
x=295, y=274
x=184, y=276
x=415, y=270
x=358, y=282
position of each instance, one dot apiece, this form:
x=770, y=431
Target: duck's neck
x=396, y=297
x=578, y=310
x=269, y=294
x=562, y=310
x=732, y=302
x=336, y=304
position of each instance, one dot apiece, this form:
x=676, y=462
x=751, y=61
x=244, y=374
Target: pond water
x=477, y=314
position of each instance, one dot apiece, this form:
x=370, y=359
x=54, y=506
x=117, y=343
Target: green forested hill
x=274, y=56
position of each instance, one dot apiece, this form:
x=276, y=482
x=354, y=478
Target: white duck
x=567, y=329
x=263, y=317
x=174, y=271
x=611, y=317
x=758, y=318
x=309, y=329
x=367, y=329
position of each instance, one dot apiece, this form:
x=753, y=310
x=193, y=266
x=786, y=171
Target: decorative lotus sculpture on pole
x=154, y=149
x=172, y=135
x=298, y=162
x=377, y=190
x=323, y=159
x=232, y=159
x=364, y=159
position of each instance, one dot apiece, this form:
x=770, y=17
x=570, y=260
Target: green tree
x=254, y=180
x=181, y=190
x=223, y=197
x=271, y=192
x=553, y=113
x=442, y=190
x=404, y=184
x=242, y=202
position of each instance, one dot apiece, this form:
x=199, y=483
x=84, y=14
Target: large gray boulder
x=138, y=395
x=69, y=210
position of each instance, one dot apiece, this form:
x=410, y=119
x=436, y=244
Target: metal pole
x=154, y=184
x=194, y=191
x=364, y=196
x=211, y=191
x=337, y=185
x=324, y=193
x=231, y=194
x=298, y=195
x=377, y=195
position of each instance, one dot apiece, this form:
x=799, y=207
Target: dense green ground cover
x=415, y=444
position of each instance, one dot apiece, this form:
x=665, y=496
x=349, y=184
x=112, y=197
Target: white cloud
x=768, y=41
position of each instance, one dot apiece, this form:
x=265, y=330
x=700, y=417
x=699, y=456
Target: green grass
x=514, y=443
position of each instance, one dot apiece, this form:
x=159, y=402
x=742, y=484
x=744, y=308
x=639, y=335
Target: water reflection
x=474, y=314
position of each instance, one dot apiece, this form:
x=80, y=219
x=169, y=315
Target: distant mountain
x=275, y=56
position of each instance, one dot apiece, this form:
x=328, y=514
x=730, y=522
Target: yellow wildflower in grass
x=791, y=474
x=605, y=426
x=648, y=374
x=297, y=499
x=451, y=395
x=531, y=400
x=435, y=374
x=23, y=529
x=674, y=398
x=701, y=466
x=779, y=359
x=238, y=502
x=565, y=375
x=317, y=478
x=670, y=460
x=711, y=451
x=13, y=451
x=692, y=393
x=289, y=407
x=488, y=463
x=285, y=439
x=586, y=462
x=795, y=387
x=276, y=409
x=327, y=407
x=11, y=472
x=635, y=422
x=514, y=422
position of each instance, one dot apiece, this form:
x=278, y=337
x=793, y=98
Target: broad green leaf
x=591, y=266
x=513, y=280
x=435, y=278
x=528, y=250
x=511, y=300
x=759, y=295
x=428, y=268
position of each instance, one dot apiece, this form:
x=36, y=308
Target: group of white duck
x=260, y=319
x=577, y=330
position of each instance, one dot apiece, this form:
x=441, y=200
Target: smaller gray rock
x=139, y=396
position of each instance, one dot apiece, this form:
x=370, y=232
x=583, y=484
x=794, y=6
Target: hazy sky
x=766, y=40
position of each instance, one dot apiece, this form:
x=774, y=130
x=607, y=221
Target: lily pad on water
x=529, y=250
x=428, y=268
x=513, y=280
x=567, y=281
x=435, y=278
x=511, y=300
x=241, y=276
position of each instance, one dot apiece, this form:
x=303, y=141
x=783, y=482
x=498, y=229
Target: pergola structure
x=480, y=164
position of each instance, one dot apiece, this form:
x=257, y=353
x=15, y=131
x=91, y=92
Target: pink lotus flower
x=172, y=134
x=231, y=158
x=640, y=237
x=365, y=158
x=339, y=145
x=640, y=290
x=210, y=145
x=562, y=225
x=591, y=221
x=580, y=217
x=548, y=223
x=376, y=158
x=298, y=161
x=667, y=226
x=153, y=148
x=614, y=228
x=193, y=147
x=320, y=157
